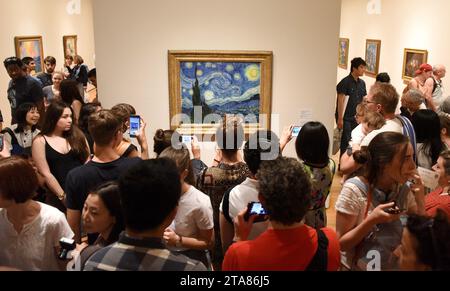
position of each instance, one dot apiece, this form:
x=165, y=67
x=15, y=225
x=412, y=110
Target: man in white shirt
x=382, y=98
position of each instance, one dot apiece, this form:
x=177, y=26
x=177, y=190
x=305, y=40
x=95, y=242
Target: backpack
x=17, y=149
x=375, y=251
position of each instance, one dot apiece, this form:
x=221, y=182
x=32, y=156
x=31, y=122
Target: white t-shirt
x=392, y=125
x=357, y=136
x=194, y=214
x=240, y=197
x=34, y=248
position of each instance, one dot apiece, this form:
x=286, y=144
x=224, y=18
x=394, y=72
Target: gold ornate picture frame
x=412, y=59
x=206, y=87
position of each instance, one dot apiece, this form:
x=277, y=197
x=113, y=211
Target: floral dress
x=321, y=180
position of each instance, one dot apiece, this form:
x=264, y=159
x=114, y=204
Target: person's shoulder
x=180, y=262
x=126, y=161
x=51, y=214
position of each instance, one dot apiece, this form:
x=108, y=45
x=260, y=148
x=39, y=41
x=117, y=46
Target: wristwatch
x=179, y=242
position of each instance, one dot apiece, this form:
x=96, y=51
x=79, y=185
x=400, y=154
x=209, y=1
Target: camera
x=67, y=245
x=256, y=208
x=135, y=125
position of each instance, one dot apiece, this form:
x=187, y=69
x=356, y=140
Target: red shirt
x=281, y=250
x=435, y=200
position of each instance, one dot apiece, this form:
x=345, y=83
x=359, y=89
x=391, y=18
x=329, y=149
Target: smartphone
x=2, y=142
x=187, y=139
x=135, y=125
x=256, y=208
x=296, y=131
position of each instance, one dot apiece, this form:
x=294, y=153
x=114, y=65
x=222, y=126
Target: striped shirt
x=149, y=254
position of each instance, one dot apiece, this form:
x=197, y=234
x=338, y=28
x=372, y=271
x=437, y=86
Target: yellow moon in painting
x=252, y=73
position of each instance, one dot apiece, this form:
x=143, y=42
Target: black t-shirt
x=22, y=90
x=45, y=78
x=86, y=178
x=356, y=90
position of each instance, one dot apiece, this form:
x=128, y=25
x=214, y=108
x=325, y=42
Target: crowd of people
x=84, y=193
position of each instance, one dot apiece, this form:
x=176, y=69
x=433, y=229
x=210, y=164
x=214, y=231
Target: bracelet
x=61, y=197
x=217, y=161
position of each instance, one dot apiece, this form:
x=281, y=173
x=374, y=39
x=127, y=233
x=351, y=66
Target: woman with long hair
x=71, y=96
x=59, y=148
x=427, y=126
x=369, y=207
x=102, y=215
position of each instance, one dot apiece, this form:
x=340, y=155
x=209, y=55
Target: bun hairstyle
x=381, y=152
x=362, y=156
x=162, y=140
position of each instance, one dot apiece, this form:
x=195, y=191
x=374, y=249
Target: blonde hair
x=374, y=119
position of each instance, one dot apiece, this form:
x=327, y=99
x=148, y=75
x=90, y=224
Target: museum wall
x=401, y=24
x=51, y=20
x=133, y=38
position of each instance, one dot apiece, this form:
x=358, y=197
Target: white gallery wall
x=51, y=19
x=132, y=39
x=401, y=24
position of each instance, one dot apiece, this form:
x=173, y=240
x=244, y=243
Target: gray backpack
x=375, y=252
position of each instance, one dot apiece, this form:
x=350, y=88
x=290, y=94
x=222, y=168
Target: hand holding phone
x=135, y=125
x=256, y=208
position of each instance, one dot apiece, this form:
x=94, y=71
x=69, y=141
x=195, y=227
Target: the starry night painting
x=221, y=87
x=220, y=83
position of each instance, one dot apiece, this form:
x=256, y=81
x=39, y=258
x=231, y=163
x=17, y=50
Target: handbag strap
x=320, y=260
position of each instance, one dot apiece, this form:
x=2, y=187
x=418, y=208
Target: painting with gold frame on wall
x=207, y=87
x=373, y=48
x=30, y=46
x=344, y=44
x=70, y=45
x=412, y=59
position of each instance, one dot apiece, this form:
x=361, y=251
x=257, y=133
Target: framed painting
x=70, y=45
x=344, y=44
x=412, y=59
x=207, y=87
x=373, y=48
x=30, y=46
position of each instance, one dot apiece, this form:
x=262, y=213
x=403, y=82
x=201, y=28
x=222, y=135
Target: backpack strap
x=226, y=205
x=320, y=260
x=408, y=130
x=14, y=140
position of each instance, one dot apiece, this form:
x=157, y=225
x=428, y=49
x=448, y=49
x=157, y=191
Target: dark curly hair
x=286, y=190
x=432, y=240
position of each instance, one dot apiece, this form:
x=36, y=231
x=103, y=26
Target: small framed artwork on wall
x=344, y=44
x=30, y=46
x=412, y=59
x=373, y=48
x=70, y=45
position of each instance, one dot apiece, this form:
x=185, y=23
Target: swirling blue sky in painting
x=226, y=87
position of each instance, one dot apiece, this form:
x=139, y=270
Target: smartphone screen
x=186, y=139
x=135, y=125
x=296, y=130
x=257, y=209
x=2, y=142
